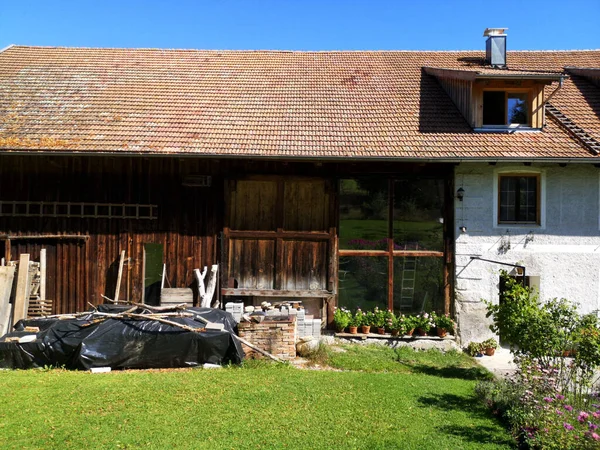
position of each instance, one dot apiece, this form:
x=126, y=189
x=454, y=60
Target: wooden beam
x=7, y=274
x=43, y=274
x=304, y=235
x=119, y=275
x=275, y=293
x=21, y=304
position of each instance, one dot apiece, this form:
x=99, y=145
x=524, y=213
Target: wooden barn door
x=278, y=237
x=65, y=260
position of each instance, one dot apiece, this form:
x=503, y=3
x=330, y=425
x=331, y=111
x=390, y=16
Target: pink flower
x=582, y=416
x=560, y=397
x=548, y=399
x=568, y=407
x=595, y=437
x=567, y=426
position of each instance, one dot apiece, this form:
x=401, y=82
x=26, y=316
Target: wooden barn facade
x=326, y=177
x=274, y=227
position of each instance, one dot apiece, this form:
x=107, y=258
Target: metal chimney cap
x=495, y=32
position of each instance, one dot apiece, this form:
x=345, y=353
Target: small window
x=503, y=108
x=519, y=199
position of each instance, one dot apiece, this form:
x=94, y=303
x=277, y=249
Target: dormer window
x=505, y=108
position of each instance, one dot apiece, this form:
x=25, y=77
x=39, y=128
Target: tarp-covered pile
x=111, y=337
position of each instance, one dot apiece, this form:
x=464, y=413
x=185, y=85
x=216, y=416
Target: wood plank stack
x=22, y=292
x=38, y=305
x=7, y=274
x=176, y=296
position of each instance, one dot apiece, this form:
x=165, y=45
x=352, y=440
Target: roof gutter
x=333, y=159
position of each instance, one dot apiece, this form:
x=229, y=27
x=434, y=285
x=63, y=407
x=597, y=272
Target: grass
x=380, y=399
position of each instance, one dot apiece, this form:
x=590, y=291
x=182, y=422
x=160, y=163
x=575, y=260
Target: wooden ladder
x=577, y=132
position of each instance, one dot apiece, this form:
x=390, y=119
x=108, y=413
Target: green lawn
x=380, y=399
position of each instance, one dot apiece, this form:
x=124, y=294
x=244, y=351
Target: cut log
x=206, y=294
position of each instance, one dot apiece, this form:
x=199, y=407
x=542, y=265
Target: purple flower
x=568, y=407
x=582, y=416
x=596, y=415
x=559, y=412
x=567, y=426
x=548, y=399
x=592, y=426
x=560, y=397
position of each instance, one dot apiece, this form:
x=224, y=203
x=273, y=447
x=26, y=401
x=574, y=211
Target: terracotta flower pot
x=490, y=351
x=380, y=330
x=353, y=330
x=421, y=332
x=410, y=332
x=365, y=329
x=395, y=332
x=340, y=329
x=441, y=332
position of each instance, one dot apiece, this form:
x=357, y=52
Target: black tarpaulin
x=92, y=340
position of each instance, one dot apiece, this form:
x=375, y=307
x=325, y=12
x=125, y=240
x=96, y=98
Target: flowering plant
x=342, y=318
x=424, y=321
x=379, y=318
x=356, y=319
x=444, y=321
x=489, y=343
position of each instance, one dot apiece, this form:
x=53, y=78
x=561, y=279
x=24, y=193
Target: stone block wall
x=561, y=253
x=275, y=337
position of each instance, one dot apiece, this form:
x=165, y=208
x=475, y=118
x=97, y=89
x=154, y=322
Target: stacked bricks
x=275, y=337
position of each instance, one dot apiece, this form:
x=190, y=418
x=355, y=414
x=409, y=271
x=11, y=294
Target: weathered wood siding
x=277, y=233
x=80, y=270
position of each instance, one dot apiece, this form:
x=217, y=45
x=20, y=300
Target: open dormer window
x=505, y=108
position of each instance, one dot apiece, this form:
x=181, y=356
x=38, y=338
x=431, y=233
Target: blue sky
x=300, y=25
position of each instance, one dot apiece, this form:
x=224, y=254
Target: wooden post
x=22, y=295
x=43, y=274
x=120, y=275
x=7, y=274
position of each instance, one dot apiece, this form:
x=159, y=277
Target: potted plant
x=444, y=324
x=355, y=321
x=407, y=324
x=367, y=320
x=392, y=323
x=379, y=320
x=341, y=319
x=423, y=324
x=474, y=349
x=361, y=320
x=489, y=346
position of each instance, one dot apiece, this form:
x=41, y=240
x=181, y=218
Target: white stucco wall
x=564, y=251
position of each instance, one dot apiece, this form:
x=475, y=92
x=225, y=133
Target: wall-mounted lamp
x=460, y=194
x=463, y=229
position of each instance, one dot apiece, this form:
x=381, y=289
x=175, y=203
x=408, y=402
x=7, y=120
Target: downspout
x=560, y=85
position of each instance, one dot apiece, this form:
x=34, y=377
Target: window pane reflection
x=418, y=284
x=418, y=214
x=363, y=214
x=363, y=282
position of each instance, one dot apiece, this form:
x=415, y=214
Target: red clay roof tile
x=269, y=103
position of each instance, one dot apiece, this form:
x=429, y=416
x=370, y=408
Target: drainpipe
x=560, y=85
x=517, y=266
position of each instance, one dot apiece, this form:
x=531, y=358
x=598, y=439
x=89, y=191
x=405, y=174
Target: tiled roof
x=268, y=103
